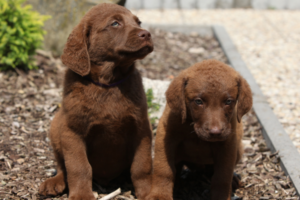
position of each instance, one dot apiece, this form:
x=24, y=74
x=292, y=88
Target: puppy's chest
x=108, y=112
x=115, y=110
x=196, y=151
x=115, y=115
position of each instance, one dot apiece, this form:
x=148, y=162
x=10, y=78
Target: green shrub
x=21, y=33
x=152, y=107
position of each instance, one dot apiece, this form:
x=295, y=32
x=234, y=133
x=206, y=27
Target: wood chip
x=112, y=195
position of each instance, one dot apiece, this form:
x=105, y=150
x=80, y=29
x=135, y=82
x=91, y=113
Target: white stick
x=112, y=195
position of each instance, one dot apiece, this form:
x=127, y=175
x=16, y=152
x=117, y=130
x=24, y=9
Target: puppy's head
x=108, y=32
x=209, y=93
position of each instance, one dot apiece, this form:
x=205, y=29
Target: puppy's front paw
x=158, y=197
x=82, y=196
x=142, y=195
x=52, y=186
x=142, y=191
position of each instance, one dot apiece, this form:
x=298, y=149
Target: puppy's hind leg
x=57, y=184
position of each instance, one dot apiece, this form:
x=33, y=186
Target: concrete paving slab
x=214, y=4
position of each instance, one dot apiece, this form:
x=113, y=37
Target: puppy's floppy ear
x=175, y=96
x=244, y=98
x=75, y=55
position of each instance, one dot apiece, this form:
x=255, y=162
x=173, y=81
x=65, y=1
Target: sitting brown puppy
x=201, y=125
x=102, y=128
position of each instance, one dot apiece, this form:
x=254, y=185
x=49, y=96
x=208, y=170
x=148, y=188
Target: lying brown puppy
x=102, y=127
x=201, y=125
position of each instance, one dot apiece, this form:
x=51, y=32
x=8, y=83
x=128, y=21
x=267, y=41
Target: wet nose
x=144, y=35
x=215, y=131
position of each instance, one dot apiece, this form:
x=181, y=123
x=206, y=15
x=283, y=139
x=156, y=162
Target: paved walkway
x=269, y=43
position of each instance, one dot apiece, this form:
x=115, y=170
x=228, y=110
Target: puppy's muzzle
x=144, y=35
x=215, y=131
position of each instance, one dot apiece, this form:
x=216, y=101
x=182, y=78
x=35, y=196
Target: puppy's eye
x=139, y=23
x=228, y=101
x=115, y=24
x=198, y=101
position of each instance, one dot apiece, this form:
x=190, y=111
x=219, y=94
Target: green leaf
x=21, y=33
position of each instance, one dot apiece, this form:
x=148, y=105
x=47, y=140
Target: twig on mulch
x=112, y=195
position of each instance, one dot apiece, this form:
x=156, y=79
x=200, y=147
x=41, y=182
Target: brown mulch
x=174, y=52
x=28, y=102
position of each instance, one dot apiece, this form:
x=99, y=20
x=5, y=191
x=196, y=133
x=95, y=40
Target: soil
x=30, y=100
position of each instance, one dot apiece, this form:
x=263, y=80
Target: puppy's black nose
x=144, y=35
x=215, y=131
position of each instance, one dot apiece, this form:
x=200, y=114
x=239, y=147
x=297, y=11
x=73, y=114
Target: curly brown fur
x=201, y=126
x=99, y=132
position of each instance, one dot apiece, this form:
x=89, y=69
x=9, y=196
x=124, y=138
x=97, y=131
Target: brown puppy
x=201, y=125
x=102, y=127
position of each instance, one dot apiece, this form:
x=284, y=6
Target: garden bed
x=29, y=102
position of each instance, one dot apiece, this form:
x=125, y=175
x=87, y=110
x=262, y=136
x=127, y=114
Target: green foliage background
x=21, y=33
x=152, y=107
